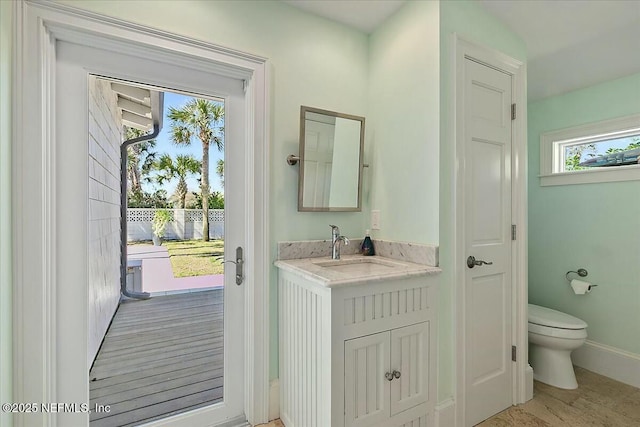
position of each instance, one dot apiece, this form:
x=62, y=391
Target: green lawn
x=195, y=257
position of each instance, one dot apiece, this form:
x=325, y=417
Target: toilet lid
x=555, y=319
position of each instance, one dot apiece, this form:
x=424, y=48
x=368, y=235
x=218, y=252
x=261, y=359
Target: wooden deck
x=160, y=357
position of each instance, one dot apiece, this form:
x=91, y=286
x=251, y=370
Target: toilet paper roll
x=580, y=287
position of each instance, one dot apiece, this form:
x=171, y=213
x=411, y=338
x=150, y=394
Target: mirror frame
x=303, y=111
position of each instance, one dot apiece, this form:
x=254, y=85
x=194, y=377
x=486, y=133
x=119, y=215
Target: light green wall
x=592, y=226
x=470, y=21
x=313, y=61
x=6, y=348
x=398, y=78
x=403, y=124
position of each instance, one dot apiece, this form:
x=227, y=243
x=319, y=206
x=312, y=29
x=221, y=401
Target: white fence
x=184, y=224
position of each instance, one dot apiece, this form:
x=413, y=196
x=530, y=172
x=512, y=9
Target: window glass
x=603, y=153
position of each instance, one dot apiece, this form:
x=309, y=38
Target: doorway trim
x=36, y=273
x=462, y=49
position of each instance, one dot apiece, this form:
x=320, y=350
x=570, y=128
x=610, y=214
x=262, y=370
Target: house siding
x=105, y=137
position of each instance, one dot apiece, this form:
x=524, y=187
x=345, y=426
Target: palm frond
x=180, y=135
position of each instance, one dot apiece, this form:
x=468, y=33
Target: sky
x=164, y=145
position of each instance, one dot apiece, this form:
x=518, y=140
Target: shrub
x=160, y=220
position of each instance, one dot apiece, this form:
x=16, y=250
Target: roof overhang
x=141, y=108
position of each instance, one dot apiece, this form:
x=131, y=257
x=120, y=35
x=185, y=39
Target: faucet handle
x=335, y=229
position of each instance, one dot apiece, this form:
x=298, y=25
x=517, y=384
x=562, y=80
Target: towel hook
x=581, y=272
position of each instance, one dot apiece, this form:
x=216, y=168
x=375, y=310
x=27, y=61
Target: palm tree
x=140, y=159
x=201, y=119
x=220, y=171
x=180, y=168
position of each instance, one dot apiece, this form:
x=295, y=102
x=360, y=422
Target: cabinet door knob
x=389, y=376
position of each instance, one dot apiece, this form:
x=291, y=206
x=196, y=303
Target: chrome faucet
x=336, y=238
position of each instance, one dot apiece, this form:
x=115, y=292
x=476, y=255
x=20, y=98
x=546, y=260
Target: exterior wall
x=105, y=136
x=593, y=226
x=6, y=306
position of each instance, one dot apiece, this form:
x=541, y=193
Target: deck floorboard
x=160, y=357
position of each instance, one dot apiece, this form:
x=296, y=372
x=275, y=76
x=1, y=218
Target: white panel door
x=366, y=391
x=318, y=163
x=487, y=237
x=410, y=357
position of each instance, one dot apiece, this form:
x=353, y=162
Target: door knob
x=472, y=262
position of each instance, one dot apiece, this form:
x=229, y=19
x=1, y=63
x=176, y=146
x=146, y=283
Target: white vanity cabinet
x=358, y=354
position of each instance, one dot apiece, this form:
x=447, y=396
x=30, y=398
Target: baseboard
x=274, y=399
x=528, y=378
x=609, y=361
x=446, y=413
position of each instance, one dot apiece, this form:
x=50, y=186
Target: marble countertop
x=354, y=269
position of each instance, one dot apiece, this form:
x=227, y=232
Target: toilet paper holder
x=581, y=272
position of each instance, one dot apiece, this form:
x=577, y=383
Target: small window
x=597, y=152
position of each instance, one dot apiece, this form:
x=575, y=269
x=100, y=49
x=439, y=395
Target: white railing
x=184, y=224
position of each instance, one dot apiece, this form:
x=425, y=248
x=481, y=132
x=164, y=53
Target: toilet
x=553, y=335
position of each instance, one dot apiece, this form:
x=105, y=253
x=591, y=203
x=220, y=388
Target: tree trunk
x=181, y=191
x=134, y=178
x=204, y=188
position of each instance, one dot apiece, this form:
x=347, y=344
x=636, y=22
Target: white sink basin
x=359, y=266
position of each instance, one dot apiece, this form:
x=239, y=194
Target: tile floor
x=598, y=402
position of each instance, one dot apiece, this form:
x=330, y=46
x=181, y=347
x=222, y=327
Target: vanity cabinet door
x=367, y=392
x=409, y=357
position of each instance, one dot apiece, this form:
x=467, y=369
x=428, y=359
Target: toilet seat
x=573, y=334
x=544, y=316
x=553, y=323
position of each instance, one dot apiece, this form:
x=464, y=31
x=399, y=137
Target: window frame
x=552, y=144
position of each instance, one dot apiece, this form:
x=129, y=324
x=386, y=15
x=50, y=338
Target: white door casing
x=487, y=220
x=507, y=277
x=51, y=255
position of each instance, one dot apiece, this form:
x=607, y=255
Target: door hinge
x=513, y=232
x=513, y=111
x=513, y=353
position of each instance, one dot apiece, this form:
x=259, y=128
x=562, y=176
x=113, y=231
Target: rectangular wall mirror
x=331, y=146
